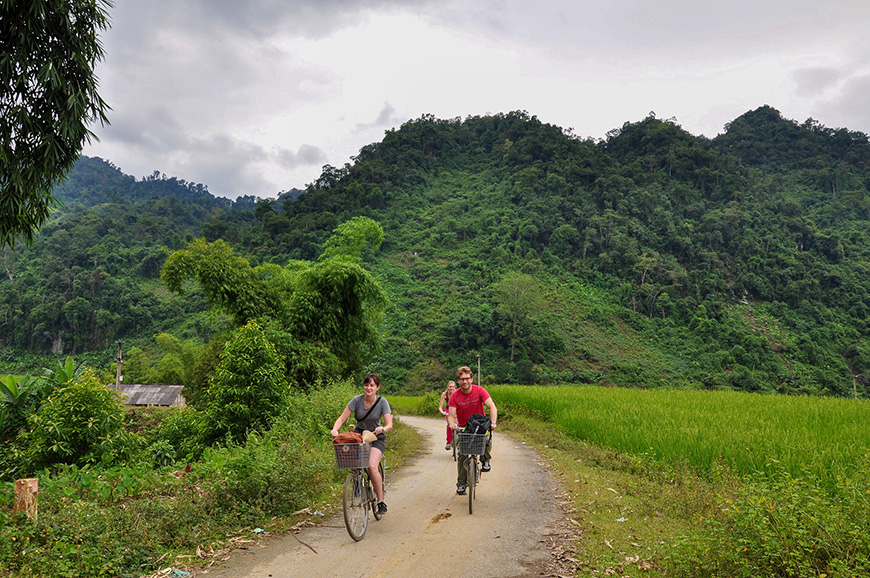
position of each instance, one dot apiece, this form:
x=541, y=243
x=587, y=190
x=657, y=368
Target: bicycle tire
x=472, y=479
x=356, y=508
x=453, y=443
x=374, y=498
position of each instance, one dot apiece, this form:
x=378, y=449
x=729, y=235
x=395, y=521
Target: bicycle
x=358, y=495
x=471, y=445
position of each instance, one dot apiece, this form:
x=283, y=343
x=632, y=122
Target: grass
x=701, y=484
x=706, y=429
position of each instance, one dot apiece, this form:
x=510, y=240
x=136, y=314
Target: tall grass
x=747, y=432
x=796, y=501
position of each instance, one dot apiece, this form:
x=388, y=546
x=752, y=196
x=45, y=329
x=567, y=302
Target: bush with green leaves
x=248, y=389
x=162, y=453
x=279, y=471
x=182, y=429
x=80, y=423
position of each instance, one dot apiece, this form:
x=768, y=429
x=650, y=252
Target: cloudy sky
x=252, y=97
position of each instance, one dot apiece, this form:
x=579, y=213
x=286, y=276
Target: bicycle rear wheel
x=356, y=508
x=472, y=481
x=374, y=497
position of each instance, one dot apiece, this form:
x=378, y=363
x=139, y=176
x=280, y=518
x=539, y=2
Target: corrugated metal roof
x=139, y=394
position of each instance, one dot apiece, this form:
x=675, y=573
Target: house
x=139, y=394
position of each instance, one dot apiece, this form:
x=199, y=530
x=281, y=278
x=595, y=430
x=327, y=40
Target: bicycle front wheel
x=356, y=508
x=472, y=482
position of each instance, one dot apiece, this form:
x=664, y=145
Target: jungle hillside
x=649, y=258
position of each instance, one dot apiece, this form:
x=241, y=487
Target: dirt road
x=428, y=530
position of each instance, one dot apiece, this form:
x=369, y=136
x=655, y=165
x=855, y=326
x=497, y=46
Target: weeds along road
x=428, y=530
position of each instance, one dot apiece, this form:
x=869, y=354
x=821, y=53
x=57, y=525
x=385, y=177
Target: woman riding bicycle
x=368, y=409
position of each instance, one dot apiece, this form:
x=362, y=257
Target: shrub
x=429, y=403
x=182, y=429
x=248, y=389
x=82, y=422
x=162, y=453
x=279, y=471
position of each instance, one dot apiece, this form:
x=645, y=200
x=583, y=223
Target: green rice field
x=824, y=437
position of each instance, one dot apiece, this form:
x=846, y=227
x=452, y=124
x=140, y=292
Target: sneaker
x=485, y=467
x=460, y=490
x=382, y=508
x=447, y=446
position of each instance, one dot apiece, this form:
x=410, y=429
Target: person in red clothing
x=465, y=401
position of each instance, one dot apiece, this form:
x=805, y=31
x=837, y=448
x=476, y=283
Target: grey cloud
x=849, y=108
x=386, y=118
x=642, y=31
x=311, y=18
x=306, y=155
x=814, y=81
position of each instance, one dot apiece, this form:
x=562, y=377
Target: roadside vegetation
x=158, y=510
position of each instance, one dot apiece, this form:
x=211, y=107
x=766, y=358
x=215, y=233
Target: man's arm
x=451, y=417
x=493, y=411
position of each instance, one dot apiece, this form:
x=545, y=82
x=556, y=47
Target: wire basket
x=472, y=443
x=352, y=456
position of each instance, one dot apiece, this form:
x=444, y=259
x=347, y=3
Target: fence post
x=26, y=494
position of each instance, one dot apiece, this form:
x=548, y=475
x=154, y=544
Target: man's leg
x=461, y=473
x=487, y=454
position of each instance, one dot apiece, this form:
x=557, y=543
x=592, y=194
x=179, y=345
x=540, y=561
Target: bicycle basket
x=472, y=444
x=351, y=456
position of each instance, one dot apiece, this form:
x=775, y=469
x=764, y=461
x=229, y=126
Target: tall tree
x=519, y=300
x=48, y=97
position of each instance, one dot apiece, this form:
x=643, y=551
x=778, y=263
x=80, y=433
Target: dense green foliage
x=80, y=423
x=656, y=257
x=248, y=390
x=322, y=317
x=49, y=50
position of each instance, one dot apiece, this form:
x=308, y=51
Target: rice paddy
x=823, y=437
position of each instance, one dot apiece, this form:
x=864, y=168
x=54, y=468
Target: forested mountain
x=651, y=258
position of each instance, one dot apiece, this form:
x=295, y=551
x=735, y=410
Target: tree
x=321, y=316
x=248, y=390
x=82, y=422
x=519, y=300
x=48, y=97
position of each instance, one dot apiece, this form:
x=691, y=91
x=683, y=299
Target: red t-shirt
x=468, y=404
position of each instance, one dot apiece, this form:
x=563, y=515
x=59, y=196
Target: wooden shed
x=140, y=394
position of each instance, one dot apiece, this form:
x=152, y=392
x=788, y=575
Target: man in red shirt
x=465, y=401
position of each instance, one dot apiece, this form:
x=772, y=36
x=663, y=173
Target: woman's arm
x=340, y=421
x=388, y=424
x=441, y=403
